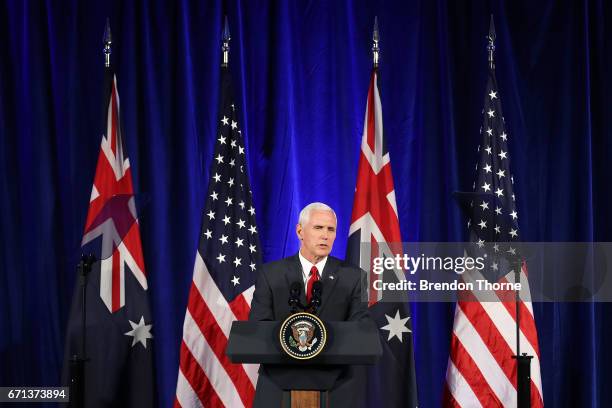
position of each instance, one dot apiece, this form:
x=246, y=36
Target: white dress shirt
x=307, y=266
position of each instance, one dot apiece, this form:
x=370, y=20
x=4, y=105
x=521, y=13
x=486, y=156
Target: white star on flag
x=140, y=332
x=396, y=326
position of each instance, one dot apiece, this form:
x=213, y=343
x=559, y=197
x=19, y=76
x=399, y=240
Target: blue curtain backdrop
x=301, y=70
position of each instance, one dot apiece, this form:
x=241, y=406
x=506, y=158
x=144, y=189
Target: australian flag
x=375, y=231
x=118, y=371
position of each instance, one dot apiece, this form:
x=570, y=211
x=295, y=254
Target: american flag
x=392, y=382
x=119, y=370
x=481, y=370
x=223, y=277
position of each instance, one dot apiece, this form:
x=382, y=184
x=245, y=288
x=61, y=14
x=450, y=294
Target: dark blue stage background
x=301, y=70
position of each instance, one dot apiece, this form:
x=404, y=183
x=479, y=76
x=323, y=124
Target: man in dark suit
x=341, y=298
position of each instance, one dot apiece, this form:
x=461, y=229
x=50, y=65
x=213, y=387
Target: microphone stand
x=311, y=307
x=523, y=377
x=77, y=361
x=315, y=302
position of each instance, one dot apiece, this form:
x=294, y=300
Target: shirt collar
x=307, y=266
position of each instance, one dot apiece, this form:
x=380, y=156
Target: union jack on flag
x=112, y=213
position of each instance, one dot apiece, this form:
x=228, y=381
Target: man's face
x=317, y=235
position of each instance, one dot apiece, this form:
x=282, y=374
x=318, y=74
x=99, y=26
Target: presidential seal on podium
x=303, y=336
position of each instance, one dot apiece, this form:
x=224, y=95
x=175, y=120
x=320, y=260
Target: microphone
x=294, y=296
x=317, y=292
x=295, y=289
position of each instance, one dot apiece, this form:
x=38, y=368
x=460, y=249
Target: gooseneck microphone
x=294, y=296
x=317, y=292
x=295, y=290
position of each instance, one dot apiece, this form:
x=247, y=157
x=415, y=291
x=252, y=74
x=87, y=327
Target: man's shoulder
x=345, y=267
x=280, y=263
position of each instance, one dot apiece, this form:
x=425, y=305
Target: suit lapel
x=294, y=274
x=330, y=277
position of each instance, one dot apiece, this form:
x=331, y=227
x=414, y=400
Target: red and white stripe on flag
x=206, y=376
x=481, y=371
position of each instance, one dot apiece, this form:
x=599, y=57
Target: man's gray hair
x=305, y=213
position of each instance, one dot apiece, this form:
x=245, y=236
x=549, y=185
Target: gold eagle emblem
x=303, y=332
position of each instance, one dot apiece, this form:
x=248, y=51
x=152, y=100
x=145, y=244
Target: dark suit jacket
x=341, y=301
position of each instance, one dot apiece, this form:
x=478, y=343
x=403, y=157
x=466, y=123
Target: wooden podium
x=305, y=383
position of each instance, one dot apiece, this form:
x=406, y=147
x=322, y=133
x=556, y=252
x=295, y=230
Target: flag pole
x=375, y=39
x=225, y=46
x=523, y=378
x=77, y=361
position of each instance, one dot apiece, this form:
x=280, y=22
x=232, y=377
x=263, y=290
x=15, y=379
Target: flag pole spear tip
x=226, y=39
x=108, y=40
x=226, y=31
x=491, y=47
x=375, y=39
